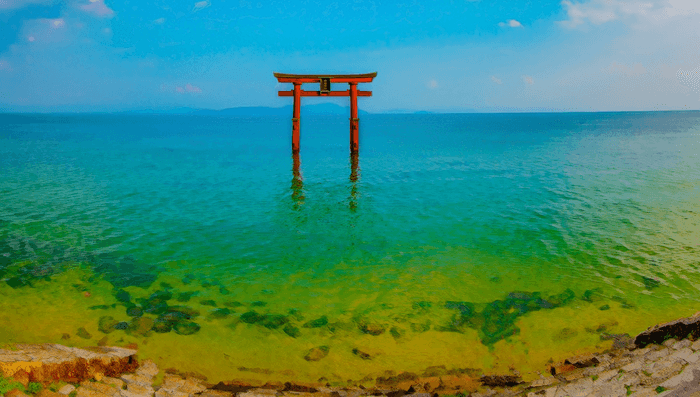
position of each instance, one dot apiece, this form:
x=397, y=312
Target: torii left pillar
x=325, y=82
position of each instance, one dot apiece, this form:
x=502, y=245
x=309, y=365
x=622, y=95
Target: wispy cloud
x=528, y=80
x=200, y=5
x=98, y=8
x=496, y=80
x=599, y=12
x=510, y=23
x=432, y=84
x=690, y=78
x=192, y=88
x=4, y=65
x=13, y=4
x=636, y=70
x=159, y=21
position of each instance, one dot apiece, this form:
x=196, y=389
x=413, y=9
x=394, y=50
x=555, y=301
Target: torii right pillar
x=354, y=121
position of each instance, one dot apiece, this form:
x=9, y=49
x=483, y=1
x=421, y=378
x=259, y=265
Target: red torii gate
x=325, y=81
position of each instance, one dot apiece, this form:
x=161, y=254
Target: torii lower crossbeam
x=325, y=81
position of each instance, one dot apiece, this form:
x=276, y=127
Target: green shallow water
x=468, y=241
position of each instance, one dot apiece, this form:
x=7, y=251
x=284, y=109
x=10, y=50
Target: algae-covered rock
x=317, y=353
x=122, y=296
x=251, y=317
x=291, y=330
x=208, y=302
x=359, y=353
x=162, y=326
x=396, y=332
x=421, y=327
x=185, y=296
x=106, y=324
x=258, y=304
x=273, y=321
x=421, y=305
x=140, y=326
x=191, y=312
x=162, y=295
x=220, y=313
x=134, y=311
x=82, y=332
x=371, y=328
x=122, y=325
x=319, y=322
x=186, y=328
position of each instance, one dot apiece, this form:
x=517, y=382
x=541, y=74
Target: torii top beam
x=335, y=78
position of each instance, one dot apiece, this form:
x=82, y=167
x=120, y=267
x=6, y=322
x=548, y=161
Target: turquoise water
x=463, y=240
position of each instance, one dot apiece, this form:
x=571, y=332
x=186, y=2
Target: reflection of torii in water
x=298, y=181
x=324, y=81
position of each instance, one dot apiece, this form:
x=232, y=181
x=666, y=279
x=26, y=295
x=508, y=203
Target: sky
x=440, y=55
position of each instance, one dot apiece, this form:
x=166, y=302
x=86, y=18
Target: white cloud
x=200, y=5
x=636, y=70
x=690, y=79
x=159, y=21
x=192, y=88
x=98, y=8
x=432, y=84
x=496, y=80
x=528, y=80
x=599, y=12
x=511, y=23
x=12, y=4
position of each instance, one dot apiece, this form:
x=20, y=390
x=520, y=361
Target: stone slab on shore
x=47, y=363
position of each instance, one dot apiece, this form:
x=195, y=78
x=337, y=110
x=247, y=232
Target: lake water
x=471, y=241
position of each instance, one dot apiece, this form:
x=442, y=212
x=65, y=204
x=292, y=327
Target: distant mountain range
x=253, y=111
x=249, y=111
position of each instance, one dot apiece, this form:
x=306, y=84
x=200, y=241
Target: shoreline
x=662, y=360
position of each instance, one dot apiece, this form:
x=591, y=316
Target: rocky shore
x=664, y=360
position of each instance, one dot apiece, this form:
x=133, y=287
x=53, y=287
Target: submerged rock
x=291, y=330
x=82, y=332
x=317, y=353
x=220, y=313
x=106, y=324
x=208, y=302
x=134, y=311
x=371, y=328
x=185, y=296
x=251, y=317
x=396, y=332
x=359, y=353
x=186, y=328
x=122, y=296
x=140, y=326
x=319, y=322
x=497, y=320
x=162, y=326
x=273, y=321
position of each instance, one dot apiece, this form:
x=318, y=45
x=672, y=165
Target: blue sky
x=451, y=55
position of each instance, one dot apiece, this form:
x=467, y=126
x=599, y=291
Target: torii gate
x=325, y=81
